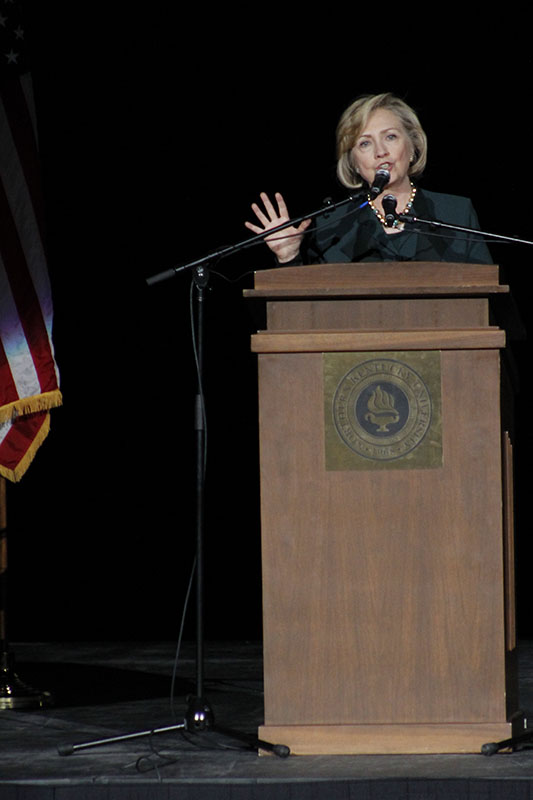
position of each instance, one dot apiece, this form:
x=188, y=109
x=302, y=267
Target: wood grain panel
x=382, y=591
x=349, y=341
x=386, y=739
x=415, y=277
x=378, y=314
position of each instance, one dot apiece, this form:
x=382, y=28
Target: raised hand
x=286, y=243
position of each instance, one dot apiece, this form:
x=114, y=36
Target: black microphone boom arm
x=226, y=251
x=410, y=218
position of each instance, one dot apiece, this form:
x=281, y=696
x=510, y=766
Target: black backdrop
x=156, y=133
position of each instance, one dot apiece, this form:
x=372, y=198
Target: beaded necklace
x=407, y=208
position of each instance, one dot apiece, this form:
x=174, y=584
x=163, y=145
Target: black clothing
x=348, y=235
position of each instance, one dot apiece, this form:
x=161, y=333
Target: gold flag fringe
x=30, y=405
x=16, y=474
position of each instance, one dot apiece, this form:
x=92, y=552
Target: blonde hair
x=355, y=118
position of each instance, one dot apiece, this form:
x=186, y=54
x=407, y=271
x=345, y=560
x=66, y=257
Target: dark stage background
x=156, y=135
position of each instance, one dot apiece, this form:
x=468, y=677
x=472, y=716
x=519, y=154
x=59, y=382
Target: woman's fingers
x=268, y=216
x=286, y=243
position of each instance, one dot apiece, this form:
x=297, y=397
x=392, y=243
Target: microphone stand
x=199, y=716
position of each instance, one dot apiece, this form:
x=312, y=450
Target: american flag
x=29, y=381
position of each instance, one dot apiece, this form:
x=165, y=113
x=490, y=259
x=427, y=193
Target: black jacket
x=350, y=234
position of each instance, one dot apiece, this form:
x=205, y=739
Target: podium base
x=390, y=739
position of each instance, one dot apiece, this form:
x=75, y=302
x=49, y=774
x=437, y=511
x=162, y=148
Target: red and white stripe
x=29, y=382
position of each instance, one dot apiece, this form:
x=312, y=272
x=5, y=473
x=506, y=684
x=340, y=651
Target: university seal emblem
x=382, y=409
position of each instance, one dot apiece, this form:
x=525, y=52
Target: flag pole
x=3, y=564
x=14, y=693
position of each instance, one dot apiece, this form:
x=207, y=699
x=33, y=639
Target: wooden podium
x=386, y=510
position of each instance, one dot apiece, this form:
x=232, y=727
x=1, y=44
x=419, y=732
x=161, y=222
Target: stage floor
x=109, y=689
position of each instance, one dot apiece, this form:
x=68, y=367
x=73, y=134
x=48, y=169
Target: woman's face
x=384, y=144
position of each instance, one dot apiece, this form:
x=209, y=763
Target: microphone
x=389, y=203
x=381, y=179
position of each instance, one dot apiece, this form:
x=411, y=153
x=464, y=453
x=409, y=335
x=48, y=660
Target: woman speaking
x=377, y=135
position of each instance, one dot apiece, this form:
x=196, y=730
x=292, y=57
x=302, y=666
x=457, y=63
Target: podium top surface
x=364, y=279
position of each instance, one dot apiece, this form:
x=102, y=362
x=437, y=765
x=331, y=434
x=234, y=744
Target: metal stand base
x=14, y=693
x=515, y=743
x=199, y=718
